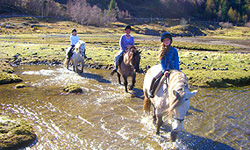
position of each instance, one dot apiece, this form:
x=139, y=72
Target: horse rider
x=73, y=40
x=125, y=41
x=169, y=60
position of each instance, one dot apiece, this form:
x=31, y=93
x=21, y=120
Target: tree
x=113, y=8
x=112, y=5
x=224, y=11
x=232, y=14
x=210, y=7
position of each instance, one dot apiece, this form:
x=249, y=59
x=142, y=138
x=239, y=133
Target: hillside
x=81, y=10
x=149, y=8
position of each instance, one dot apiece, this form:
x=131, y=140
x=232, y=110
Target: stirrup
x=151, y=95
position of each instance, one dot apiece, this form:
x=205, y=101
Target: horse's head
x=179, y=105
x=135, y=57
x=80, y=47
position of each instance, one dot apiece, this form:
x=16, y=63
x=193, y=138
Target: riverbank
x=219, y=59
x=15, y=133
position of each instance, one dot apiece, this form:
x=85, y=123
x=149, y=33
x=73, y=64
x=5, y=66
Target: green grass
x=199, y=61
x=207, y=47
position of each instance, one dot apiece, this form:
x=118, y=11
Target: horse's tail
x=147, y=103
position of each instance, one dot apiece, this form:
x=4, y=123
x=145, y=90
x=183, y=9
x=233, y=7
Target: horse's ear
x=176, y=94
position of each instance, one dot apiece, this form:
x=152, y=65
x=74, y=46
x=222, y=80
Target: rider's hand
x=166, y=73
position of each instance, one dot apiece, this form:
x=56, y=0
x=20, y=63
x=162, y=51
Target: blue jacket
x=124, y=42
x=170, y=60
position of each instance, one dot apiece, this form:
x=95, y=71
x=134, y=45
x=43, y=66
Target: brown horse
x=129, y=65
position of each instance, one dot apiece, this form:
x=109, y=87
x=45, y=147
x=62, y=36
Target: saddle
x=163, y=80
x=120, y=59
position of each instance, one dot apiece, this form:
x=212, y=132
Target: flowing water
x=105, y=117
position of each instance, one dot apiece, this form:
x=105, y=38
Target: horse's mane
x=130, y=50
x=78, y=46
x=178, y=84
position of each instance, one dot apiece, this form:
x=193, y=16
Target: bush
x=226, y=24
x=247, y=24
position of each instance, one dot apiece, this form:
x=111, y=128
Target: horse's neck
x=127, y=61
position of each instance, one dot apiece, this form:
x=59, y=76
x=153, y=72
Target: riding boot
x=70, y=53
x=115, y=65
x=153, y=86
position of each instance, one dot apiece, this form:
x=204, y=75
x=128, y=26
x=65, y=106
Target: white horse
x=78, y=56
x=171, y=96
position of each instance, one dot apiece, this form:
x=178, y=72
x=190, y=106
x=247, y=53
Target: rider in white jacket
x=73, y=40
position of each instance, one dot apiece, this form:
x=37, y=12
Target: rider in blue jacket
x=169, y=60
x=126, y=40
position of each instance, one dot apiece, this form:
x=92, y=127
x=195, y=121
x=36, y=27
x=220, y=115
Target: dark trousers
x=70, y=53
x=154, y=84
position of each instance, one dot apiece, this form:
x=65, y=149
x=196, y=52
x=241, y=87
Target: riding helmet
x=127, y=27
x=73, y=30
x=166, y=35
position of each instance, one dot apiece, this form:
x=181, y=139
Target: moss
x=15, y=133
x=6, y=78
x=73, y=88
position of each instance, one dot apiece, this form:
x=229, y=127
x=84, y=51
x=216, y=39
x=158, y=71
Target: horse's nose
x=177, y=125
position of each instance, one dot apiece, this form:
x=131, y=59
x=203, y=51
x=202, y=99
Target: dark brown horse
x=128, y=66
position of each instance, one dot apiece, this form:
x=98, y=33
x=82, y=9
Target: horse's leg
x=82, y=66
x=125, y=83
x=119, y=78
x=77, y=70
x=133, y=82
x=154, y=116
x=74, y=67
x=68, y=63
x=159, y=122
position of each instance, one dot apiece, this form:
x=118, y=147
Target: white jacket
x=74, y=39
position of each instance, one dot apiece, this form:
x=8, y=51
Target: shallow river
x=105, y=117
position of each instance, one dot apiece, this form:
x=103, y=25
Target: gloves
x=166, y=73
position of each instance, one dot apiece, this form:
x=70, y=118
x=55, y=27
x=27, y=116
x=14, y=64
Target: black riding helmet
x=73, y=30
x=166, y=35
x=127, y=27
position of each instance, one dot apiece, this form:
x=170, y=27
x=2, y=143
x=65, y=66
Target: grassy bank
x=15, y=133
x=205, y=64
